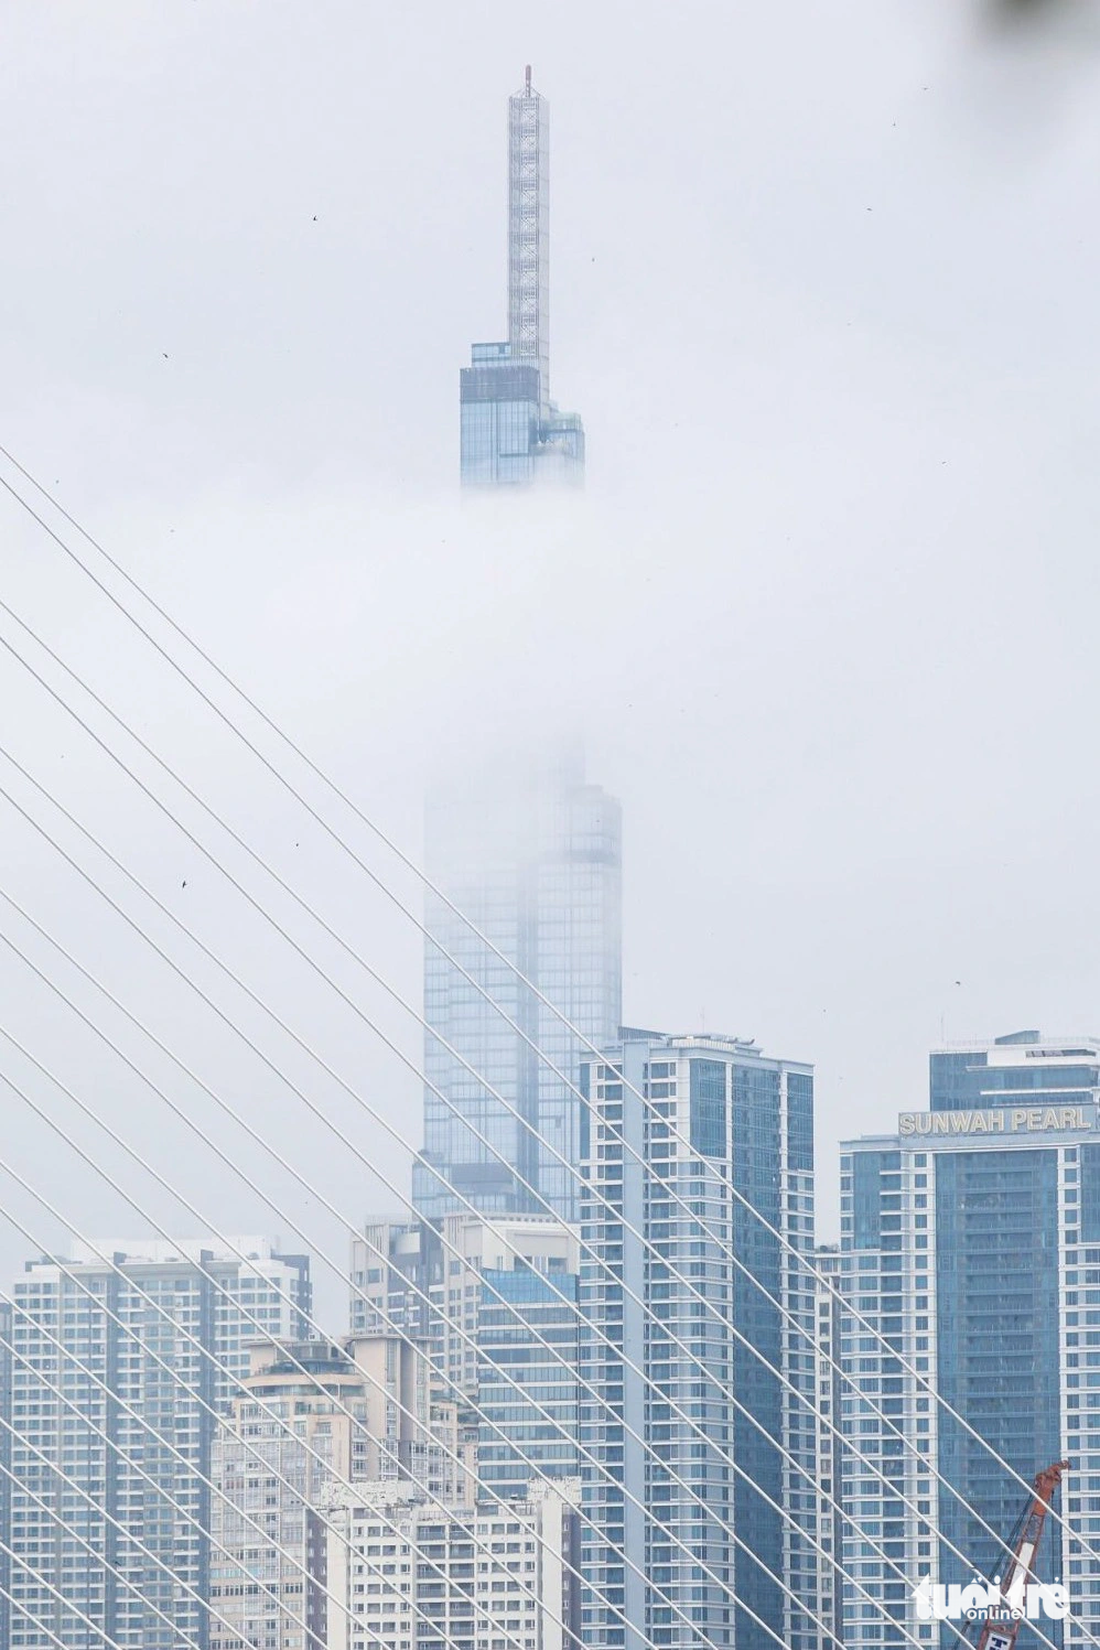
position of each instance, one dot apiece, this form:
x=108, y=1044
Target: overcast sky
x=823, y=287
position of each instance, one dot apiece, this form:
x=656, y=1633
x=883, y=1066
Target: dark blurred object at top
x=1008, y=13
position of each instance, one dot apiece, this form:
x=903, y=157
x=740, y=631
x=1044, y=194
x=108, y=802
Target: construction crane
x=998, y=1634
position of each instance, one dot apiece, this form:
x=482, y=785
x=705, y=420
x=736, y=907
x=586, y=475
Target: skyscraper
x=527, y=1386
x=511, y=432
x=5, y=1470
x=536, y=866
x=723, y=1116
x=502, y=1328
x=828, y=1386
x=116, y=1419
x=268, y=1474
x=971, y=1241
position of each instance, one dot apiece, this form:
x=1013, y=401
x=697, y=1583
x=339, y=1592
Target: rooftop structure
x=511, y=432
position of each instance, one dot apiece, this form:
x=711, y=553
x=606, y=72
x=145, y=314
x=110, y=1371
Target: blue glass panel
x=708, y=1107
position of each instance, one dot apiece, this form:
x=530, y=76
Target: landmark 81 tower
x=534, y=861
x=511, y=432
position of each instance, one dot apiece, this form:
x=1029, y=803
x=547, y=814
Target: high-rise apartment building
x=535, y=863
x=114, y=1372
x=267, y=1568
x=829, y=1388
x=393, y=1269
x=5, y=1470
x=501, y=1325
x=722, y=1117
x=971, y=1243
x=511, y=432
x=414, y=1577
x=311, y=1416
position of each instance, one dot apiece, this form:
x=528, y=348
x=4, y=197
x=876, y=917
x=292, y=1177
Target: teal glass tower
x=722, y=1119
x=535, y=863
x=512, y=434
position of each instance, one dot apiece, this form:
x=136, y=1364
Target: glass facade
x=830, y=1445
x=997, y=1332
x=963, y=1245
x=1018, y=1066
x=500, y=1288
x=517, y=1371
x=499, y=401
x=537, y=868
x=720, y=1118
x=511, y=433
x=757, y=1157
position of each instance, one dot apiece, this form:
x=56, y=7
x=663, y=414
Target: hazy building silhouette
x=536, y=865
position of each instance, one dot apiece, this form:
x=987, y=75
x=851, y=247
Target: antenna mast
x=529, y=235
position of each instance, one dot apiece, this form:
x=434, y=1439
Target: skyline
x=856, y=732
x=591, y=1321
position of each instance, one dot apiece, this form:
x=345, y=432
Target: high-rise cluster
x=122, y=1358
x=600, y=1388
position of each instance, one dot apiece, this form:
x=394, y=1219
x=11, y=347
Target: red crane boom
x=1001, y=1635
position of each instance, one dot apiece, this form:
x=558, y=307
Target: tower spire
x=511, y=432
x=529, y=235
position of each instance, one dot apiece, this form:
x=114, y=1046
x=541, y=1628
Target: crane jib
x=1018, y=1586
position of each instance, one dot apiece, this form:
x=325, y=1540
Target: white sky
x=823, y=288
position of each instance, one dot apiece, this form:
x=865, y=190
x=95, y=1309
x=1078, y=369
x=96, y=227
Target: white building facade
x=316, y=1418
x=117, y=1373
x=492, y=1578
x=828, y=1385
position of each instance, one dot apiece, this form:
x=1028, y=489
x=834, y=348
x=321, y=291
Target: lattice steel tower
x=529, y=234
x=511, y=431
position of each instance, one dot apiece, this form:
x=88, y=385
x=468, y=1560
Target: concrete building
x=339, y=1417
x=253, y=1456
x=492, y=1578
x=502, y=1328
x=390, y=1267
x=5, y=1468
x=127, y=1389
x=971, y=1243
x=828, y=1389
x=722, y=1117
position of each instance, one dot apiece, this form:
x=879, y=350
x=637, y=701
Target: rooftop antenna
x=527, y=80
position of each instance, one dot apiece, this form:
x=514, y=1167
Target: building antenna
x=527, y=80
